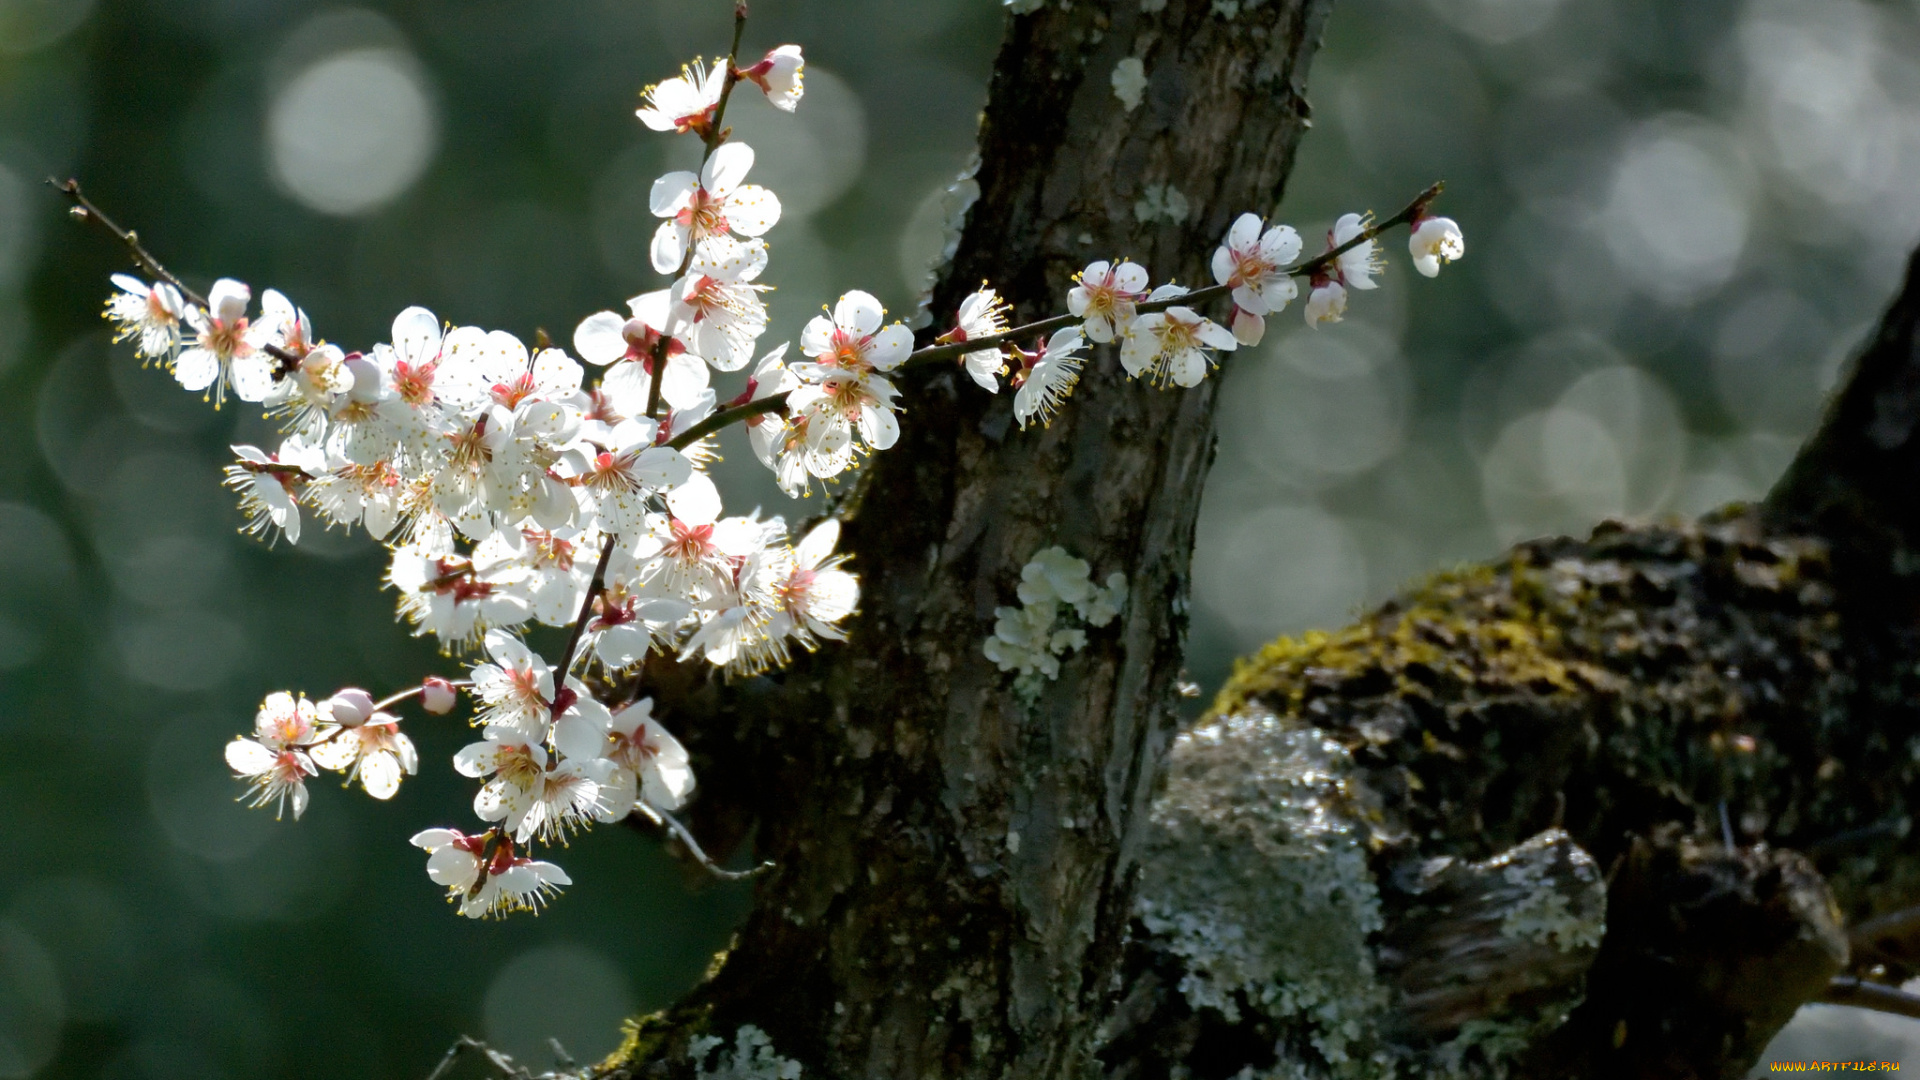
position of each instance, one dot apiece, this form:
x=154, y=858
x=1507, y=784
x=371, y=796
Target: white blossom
x=227, y=350
x=1254, y=264
x=686, y=102
x=485, y=884
x=779, y=76
x=1051, y=379
x=1327, y=303
x=1105, y=297
x=648, y=764
x=812, y=592
x=1435, y=240
x=1171, y=346
x=371, y=749
x=709, y=209
x=276, y=761
x=149, y=315
x=982, y=313
x=1358, y=264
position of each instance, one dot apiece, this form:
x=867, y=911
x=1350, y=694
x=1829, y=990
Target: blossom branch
x=85, y=210
x=711, y=139
x=594, y=589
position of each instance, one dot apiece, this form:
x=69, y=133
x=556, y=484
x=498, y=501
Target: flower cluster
x=519, y=488
x=1161, y=334
x=1031, y=638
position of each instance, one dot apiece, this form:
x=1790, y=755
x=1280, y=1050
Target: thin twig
x=1861, y=994
x=681, y=833
x=395, y=699
x=467, y=1044
x=84, y=209
x=580, y=622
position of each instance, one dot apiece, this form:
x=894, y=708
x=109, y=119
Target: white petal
x=249, y=758
x=696, y=502
x=891, y=347
x=380, y=774
x=878, y=427
x=752, y=210
x=858, y=312
x=196, y=369
x=671, y=193
x=726, y=167
x=253, y=376
x=416, y=335
x=669, y=247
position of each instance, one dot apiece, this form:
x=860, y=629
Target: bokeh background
x=1680, y=217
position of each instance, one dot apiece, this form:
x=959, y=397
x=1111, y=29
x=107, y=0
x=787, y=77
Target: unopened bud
x=437, y=696
x=350, y=707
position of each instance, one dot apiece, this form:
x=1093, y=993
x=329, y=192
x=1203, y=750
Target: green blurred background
x=1679, y=217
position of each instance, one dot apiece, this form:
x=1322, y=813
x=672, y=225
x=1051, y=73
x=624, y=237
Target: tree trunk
x=955, y=860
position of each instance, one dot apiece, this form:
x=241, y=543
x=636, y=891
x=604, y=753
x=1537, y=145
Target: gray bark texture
x=1599, y=807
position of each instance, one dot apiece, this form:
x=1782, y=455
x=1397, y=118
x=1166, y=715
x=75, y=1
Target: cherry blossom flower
x=779, y=76
x=555, y=576
x=1435, y=240
x=808, y=447
x=812, y=593
x=721, y=306
x=369, y=747
x=1105, y=298
x=348, y=494
x=841, y=403
x=227, y=354
x=270, y=484
x=618, y=480
x=1253, y=263
x=1327, y=303
x=626, y=626
x=1171, y=346
x=629, y=345
x=710, y=208
x=447, y=596
x=149, y=315
x=1357, y=265
x=735, y=634
x=514, y=687
x=842, y=389
x=1051, y=379
x=275, y=760
x=852, y=341
x=770, y=377
x=687, y=102
x=514, y=765
x=649, y=764
x=981, y=314
x=487, y=884
x=437, y=695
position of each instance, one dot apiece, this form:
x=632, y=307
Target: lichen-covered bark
x=1722, y=714
x=954, y=861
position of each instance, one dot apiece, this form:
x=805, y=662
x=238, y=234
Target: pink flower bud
x=437, y=696
x=350, y=707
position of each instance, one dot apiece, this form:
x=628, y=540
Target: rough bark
x=1720, y=713
x=955, y=860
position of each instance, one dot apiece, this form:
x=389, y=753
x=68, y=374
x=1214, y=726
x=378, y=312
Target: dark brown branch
x=1861, y=994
